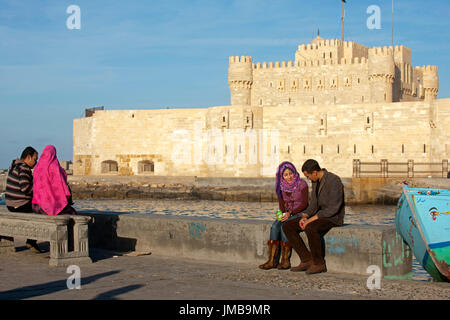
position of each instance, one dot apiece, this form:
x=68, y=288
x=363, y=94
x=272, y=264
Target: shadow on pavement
x=109, y=295
x=48, y=288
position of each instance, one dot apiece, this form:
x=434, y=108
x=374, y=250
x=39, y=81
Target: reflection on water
x=361, y=214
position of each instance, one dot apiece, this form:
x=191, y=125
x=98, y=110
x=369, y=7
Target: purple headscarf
x=283, y=185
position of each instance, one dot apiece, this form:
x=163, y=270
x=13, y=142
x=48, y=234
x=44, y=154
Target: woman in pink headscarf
x=51, y=194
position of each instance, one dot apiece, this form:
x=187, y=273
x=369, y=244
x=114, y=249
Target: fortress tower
x=430, y=82
x=240, y=79
x=332, y=72
x=381, y=74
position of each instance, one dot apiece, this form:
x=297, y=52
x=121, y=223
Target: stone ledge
x=349, y=249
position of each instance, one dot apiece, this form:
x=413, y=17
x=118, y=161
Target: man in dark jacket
x=325, y=211
x=19, y=186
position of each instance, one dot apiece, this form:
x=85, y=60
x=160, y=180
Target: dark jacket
x=329, y=204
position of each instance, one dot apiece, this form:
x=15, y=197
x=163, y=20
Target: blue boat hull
x=423, y=220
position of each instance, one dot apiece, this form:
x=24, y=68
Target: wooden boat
x=423, y=220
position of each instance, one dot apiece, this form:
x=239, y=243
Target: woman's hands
x=285, y=216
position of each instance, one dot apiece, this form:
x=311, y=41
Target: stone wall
x=243, y=141
x=349, y=249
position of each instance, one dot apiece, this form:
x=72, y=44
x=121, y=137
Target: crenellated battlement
x=309, y=63
x=332, y=43
x=401, y=49
x=430, y=69
x=242, y=59
x=320, y=43
x=381, y=51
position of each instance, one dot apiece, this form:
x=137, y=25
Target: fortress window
x=260, y=102
x=331, y=55
x=385, y=97
x=373, y=149
x=289, y=149
x=146, y=166
x=403, y=148
x=289, y=100
x=110, y=166
x=424, y=148
x=354, y=148
x=304, y=149
x=337, y=148
x=223, y=119
x=321, y=148
x=368, y=120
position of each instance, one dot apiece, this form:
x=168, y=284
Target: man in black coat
x=325, y=211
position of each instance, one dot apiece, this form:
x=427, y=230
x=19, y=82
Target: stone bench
x=68, y=235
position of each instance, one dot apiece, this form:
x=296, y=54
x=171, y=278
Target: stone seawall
x=357, y=190
x=349, y=249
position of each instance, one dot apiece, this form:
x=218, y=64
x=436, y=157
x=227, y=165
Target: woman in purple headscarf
x=292, y=193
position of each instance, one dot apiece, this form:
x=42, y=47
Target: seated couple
x=326, y=209
x=43, y=190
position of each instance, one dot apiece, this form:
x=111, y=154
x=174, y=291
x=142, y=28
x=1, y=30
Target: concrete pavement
x=27, y=275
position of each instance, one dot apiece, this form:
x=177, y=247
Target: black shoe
x=33, y=246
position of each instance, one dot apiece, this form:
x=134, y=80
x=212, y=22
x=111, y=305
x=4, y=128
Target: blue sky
x=135, y=54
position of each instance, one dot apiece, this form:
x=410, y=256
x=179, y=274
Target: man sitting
x=325, y=211
x=19, y=186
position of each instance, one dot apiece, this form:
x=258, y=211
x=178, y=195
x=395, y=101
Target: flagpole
x=392, y=24
x=342, y=19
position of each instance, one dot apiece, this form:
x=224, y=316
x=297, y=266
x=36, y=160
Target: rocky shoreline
x=382, y=191
x=82, y=190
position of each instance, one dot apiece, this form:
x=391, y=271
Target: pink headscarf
x=50, y=189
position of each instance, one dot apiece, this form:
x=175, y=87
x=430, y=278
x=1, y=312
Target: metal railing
x=409, y=169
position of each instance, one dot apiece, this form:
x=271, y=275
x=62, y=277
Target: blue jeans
x=276, y=231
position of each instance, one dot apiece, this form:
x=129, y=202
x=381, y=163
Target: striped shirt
x=19, y=184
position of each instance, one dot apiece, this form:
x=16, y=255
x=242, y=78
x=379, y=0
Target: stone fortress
x=338, y=101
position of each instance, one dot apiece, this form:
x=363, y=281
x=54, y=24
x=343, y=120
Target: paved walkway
x=27, y=275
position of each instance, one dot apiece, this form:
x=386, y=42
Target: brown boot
x=273, y=248
x=317, y=268
x=302, y=266
x=286, y=251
